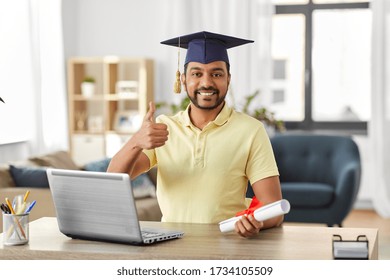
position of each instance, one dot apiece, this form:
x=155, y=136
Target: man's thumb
x=150, y=114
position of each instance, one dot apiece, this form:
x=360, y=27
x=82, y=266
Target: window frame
x=308, y=123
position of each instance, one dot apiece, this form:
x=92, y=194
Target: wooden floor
x=369, y=219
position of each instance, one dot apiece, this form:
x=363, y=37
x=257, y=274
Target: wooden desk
x=201, y=241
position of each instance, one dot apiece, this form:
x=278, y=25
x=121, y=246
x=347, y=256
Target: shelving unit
x=100, y=123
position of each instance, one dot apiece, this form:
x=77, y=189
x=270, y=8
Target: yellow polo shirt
x=203, y=174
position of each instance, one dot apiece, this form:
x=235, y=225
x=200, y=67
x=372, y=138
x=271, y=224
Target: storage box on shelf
x=101, y=120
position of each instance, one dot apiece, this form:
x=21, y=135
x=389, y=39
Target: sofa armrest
x=148, y=209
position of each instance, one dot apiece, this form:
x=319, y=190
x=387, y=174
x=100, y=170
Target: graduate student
x=206, y=154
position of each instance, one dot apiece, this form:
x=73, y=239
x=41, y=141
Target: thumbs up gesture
x=151, y=135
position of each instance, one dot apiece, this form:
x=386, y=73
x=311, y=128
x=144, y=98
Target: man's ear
x=183, y=81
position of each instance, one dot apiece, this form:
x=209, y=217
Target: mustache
x=213, y=89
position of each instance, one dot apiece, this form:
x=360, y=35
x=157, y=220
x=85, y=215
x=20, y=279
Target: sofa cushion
x=6, y=179
x=142, y=185
x=34, y=177
x=98, y=165
x=60, y=159
x=306, y=195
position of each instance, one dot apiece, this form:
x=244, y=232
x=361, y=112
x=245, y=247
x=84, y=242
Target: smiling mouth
x=206, y=93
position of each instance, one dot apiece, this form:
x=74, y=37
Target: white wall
x=122, y=27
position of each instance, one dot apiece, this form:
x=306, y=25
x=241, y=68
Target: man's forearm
x=125, y=159
x=274, y=222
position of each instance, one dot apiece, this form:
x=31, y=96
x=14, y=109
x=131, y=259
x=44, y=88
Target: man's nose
x=206, y=81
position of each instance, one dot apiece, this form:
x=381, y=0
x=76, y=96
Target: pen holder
x=15, y=229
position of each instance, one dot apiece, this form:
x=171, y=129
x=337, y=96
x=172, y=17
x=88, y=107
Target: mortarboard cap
x=205, y=47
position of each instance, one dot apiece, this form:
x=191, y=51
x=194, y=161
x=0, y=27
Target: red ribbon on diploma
x=255, y=204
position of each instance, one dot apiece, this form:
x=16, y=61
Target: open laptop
x=100, y=206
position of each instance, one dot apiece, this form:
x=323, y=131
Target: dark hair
x=227, y=67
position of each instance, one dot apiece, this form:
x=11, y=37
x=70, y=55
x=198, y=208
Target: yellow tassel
x=177, y=85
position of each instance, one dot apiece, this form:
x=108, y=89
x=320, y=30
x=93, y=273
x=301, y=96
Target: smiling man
x=206, y=154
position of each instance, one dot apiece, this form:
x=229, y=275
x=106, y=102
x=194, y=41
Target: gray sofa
x=319, y=175
x=18, y=177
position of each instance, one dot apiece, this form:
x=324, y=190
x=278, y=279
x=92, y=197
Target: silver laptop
x=100, y=206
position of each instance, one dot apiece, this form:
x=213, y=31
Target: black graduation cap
x=204, y=47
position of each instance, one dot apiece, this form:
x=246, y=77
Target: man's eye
x=217, y=75
x=196, y=74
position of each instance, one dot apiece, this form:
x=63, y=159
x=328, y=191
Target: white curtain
x=32, y=74
x=250, y=19
x=379, y=126
x=49, y=77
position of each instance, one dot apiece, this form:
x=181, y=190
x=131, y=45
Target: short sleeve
x=151, y=154
x=261, y=162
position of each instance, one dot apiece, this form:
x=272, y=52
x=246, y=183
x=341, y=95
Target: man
x=205, y=154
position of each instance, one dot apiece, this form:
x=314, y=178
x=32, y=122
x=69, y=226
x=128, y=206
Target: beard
x=196, y=94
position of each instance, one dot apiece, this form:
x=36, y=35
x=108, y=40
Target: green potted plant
x=174, y=108
x=88, y=86
x=264, y=115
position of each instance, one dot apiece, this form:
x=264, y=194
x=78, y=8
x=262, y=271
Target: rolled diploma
x=264, y=213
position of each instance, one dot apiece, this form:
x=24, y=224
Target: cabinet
x=107, y=110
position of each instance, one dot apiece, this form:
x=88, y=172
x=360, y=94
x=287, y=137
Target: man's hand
x=248, y=226
x=151, y=135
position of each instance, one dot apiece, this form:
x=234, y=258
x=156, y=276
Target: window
x=321, y=58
